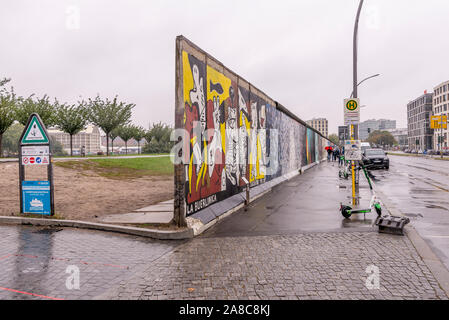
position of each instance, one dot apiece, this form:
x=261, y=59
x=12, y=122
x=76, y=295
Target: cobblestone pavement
x=302, y=266
x=33, y=261
x=290, y=244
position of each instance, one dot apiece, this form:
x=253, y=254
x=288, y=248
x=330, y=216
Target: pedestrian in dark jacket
x=336, y=154
x=329, y=154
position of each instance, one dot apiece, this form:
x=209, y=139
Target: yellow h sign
x=351, y=105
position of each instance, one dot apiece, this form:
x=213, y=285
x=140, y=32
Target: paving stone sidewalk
x=300, y=266
x=34, y=261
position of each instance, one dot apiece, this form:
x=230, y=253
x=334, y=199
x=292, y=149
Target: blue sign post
x=36, y=197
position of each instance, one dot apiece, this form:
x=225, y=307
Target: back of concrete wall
x=233, y=134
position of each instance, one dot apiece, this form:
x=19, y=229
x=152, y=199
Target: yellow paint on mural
x=188, y=77
x=217, y=77
x=259, y=159
x=223, y=136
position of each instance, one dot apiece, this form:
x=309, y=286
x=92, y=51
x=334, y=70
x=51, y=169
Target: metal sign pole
x=21, y=177
x=354, y=199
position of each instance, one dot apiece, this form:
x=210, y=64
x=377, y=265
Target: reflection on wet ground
x=37, y=263
x=419, y=189
x=307, y=203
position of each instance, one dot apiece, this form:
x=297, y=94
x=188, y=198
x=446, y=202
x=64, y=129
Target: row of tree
x=112, y=116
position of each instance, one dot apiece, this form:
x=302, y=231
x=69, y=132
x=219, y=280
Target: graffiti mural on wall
x=235, y=134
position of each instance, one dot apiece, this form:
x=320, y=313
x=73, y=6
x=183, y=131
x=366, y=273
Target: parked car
x=375, y=158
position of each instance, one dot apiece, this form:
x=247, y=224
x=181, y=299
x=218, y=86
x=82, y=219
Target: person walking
x=341, y=158
x=329, y=153
x=336, y=154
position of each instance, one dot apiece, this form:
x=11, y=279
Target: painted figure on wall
x=231, y=136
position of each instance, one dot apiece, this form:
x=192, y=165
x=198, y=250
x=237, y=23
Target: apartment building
x=419, y=110
x=89, y=138
x=368, y=126
x=440, y=108
x=320, y=124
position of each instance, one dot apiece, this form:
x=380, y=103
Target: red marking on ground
x=26, y=256
x=4, y=257
x=31, y=294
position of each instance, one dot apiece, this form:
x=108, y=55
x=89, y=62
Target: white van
x=365, y=145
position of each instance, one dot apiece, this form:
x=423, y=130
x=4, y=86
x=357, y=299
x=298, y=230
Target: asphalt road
x=419, y=188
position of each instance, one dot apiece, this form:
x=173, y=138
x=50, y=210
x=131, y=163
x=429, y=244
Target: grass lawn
x=112, y=155
x=126, y=168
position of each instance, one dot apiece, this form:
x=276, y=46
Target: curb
x=438, y=269
x=185, y=233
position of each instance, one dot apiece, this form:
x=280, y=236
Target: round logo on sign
x=351, y=105
x=25, y=160
x=32, y=160
x=38, y=160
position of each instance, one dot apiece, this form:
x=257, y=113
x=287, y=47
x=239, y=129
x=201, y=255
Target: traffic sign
x=35, y=150
x=351, y=111
x=35, y=161
x=35, y=132
x=438, y=122
x=353, y=150
x=36, y=197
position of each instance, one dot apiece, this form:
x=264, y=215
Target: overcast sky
x=298, y=52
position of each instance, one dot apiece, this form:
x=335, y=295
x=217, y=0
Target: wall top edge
x=181, y=38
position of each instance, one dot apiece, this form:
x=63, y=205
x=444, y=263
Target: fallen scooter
x=348, y=211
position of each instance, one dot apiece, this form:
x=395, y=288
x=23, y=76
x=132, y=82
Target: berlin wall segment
x=234, y=133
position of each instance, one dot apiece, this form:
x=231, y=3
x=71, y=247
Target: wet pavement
x=292, y=243
x=35, y=262
x=419, y=188
x=307, y=203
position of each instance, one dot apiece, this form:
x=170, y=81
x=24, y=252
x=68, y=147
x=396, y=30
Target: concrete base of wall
x=206, y=218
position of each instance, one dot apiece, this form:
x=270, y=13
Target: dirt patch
x=85, y=194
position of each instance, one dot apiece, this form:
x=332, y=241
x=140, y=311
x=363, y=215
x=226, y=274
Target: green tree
x=11, y=138
x=8, y=108
x=126, y=133
x=158, y=139
x=334, y=139
x=109, y=114
x=42, y=106
x=139, y=134
x=113, y=135
x=71, y=119
x=56, y=148
x=383, y=138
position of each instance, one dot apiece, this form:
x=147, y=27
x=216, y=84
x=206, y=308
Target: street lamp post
x=354, y=128
x=354, y=50
x=367, y=78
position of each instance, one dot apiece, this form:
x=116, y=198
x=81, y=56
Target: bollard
x=247, y=193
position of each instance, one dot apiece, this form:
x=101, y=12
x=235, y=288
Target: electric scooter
x=348, y=211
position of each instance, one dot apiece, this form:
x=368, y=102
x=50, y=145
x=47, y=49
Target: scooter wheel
x=346, y=211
